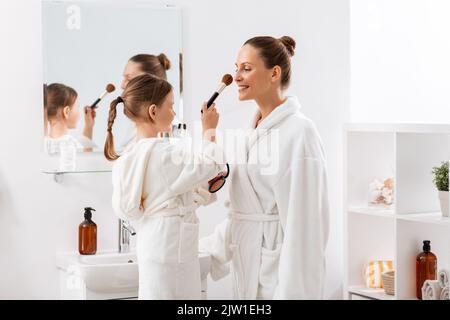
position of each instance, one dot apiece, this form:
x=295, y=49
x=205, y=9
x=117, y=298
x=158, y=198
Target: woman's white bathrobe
x=277, y=230
x=159, y=182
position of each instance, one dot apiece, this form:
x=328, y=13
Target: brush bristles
x=110, y=87
x=227, y=79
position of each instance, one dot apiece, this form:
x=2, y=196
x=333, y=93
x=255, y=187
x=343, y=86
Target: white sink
x=111, y=272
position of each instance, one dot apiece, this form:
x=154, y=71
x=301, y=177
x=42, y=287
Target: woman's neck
x=57, y=130
x=268, y=103
x=145, y=130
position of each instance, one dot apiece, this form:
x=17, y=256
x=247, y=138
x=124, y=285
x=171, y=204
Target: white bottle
x=184, y=132
x=177, y=131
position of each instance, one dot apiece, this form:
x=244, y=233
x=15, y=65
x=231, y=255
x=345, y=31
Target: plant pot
x=443, y=199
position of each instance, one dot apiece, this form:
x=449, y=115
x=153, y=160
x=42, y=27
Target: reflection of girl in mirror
x=138, y=65
x=61, y=113
x=160, y=183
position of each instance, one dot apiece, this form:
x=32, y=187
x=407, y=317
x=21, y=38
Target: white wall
x=40, y=217
x=400, y=62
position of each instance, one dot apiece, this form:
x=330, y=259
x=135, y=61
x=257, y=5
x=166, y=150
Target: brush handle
x=211, y=100
x=95, y=103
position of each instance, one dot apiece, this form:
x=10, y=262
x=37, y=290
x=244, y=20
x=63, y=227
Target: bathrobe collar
x=289, y=107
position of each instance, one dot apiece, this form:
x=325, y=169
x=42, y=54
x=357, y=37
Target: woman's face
x=164, y=114
x=73, y=115
x=132, y=70
x=252, y=76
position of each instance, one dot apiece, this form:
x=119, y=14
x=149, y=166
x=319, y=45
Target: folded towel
x=445, y=294
x=431, y=290
x=443, y=278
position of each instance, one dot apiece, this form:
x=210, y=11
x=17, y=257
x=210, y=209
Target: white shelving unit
x=407, y=153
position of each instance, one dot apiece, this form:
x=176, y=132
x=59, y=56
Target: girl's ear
x=276, y=73
x=66, y=112
x=152, y=112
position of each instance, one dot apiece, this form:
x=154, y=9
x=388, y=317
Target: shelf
x=429, y=217
x=58, y=175
x=407, y=153
x=398, y=127
x=433, y=218
x=373, y=211
x=371, y=293
x=72, y=172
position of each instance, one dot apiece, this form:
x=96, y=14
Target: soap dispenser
x=87, y=234
x=426, y=267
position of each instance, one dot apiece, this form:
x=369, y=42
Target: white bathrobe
x=277, y=229
x=159, y=182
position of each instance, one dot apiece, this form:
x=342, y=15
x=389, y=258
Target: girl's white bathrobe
x=277, y=229
x=159, y=183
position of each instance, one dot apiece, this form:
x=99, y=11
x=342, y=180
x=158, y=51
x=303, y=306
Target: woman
x=277, y=229
x=159, y=183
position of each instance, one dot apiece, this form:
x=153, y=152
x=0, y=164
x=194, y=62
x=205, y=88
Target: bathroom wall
x=40, y=217
x=400, y=62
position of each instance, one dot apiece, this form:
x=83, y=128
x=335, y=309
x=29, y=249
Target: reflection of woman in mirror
x=138, y=65
x=61, y=111
x=161, y=183
x=45, y=111
x=145, y=63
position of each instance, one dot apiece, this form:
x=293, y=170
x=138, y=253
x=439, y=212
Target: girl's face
x=252, y=76
x=72, y=115
x=132, y=70
x=163, y=115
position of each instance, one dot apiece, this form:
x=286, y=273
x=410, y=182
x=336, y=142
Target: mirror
x=86, y=46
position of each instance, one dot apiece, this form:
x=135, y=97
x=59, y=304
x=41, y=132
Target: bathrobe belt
x=257, y=217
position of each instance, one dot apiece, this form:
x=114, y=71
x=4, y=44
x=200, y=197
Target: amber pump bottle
x=87, y=234
x=426, y=267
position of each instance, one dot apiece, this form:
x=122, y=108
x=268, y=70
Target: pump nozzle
x=426, y=246
x=88, y=212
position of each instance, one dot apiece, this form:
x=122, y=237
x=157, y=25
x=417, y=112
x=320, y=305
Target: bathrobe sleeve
x=302, y=200
x=128, y=177
x=86, y=142
x=185, y=169
x=218, y=246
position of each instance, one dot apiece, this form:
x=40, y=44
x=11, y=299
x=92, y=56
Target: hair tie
x=119, y=99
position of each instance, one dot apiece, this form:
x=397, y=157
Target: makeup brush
x=109, y=88
x=226, y=81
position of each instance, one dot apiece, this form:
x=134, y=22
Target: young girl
x=61, y=113
x=138, y=65
x=155, y=181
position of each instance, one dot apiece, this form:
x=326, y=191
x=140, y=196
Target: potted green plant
x=440, y=179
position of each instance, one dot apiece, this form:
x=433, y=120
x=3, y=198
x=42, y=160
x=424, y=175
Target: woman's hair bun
x=289, y=44
x=165, y=62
